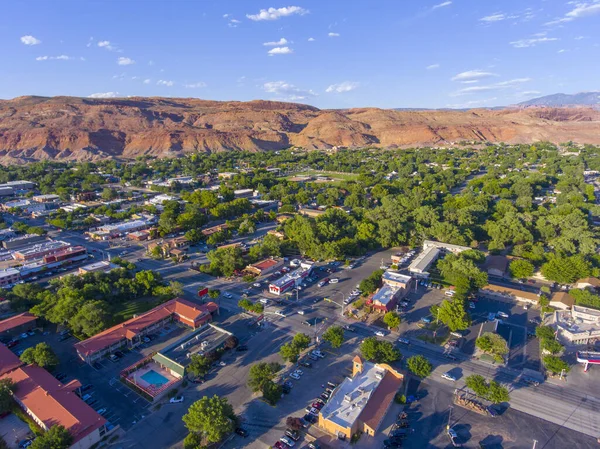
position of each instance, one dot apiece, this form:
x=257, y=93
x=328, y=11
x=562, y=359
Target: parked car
x=293, y=434
x=502, y=314
x=404, y=341
x=241, y=432
x=318, y=354
x=471, y=305
x=305, y=364
x=295, y=376
x=448, y=376
x=379, y=334
x=307, y=323
x=334, y=280
x=228, y=295
x=287, y=441
x=176, y=400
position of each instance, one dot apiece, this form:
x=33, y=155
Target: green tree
x=261, y=373
x=91, y=318
x=497, y=393
x=419, y=366
x=372, y=283
x=301, y=341
x=199, y=365
x=552, y=346
x=520, y=269
x=289, y=352
x=226, y=260
x=463, y=273
x=369, y=348
x=544, y=333
x=555, y=364
x=334, y=335
x=210, y=417
x=478, y=384
x=57, y=437
x=192, y=441
x=214, y=294
x=453, y=314
x=41, y=355
x=564, y=269
x=493, y=344
x=271, y=392
x=392, y=320
x=7, y=387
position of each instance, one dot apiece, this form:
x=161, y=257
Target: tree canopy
x=210, y=417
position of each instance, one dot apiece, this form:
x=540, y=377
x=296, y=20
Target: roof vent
x=379, y=376
x=348, y=397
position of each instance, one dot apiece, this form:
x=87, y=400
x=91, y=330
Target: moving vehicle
x=228, y=295
x=379, y=334
x=176, y=400
x=300, y=312
x=404, y=341
x=448, y=376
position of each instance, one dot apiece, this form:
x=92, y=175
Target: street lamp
x=342, y=305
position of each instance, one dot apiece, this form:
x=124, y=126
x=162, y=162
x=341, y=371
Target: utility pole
x=534, y=443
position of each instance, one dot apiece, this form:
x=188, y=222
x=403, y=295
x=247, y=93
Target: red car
x=279, y=445
x=317, y=405
x=12, y=343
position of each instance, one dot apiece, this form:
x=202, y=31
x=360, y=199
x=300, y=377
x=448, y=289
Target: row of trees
x=492, y=391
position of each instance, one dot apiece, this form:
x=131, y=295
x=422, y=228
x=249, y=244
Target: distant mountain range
x=559, y=100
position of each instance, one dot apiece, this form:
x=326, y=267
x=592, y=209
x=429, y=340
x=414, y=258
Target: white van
x=264, y=300
x=449, y=293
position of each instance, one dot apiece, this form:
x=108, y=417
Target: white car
x=256, y=284
x=299, y=372
x=379, y=334
x=318, y=354
x=280, y=313
x=294, y=375
x=334, y=280
x=449, y=376
x=176, y=400
x=502, y=315
x=471, y=305
x=222, y=364
x=228, y=295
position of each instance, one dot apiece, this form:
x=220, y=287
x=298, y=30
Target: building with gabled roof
x=265, y=266
x=131, y=332
x=17, y=324
x=49, y=402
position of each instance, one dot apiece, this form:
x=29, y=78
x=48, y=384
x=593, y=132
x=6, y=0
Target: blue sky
x=328, y=53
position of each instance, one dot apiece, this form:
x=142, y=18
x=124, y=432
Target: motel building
x=131, y=332
x=49, y=402
x=360, y=402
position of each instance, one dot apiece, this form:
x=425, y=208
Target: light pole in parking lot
x=342, y=305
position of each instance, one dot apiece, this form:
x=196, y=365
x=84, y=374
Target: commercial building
x=158, y=200
x=16, y=187
x=562, y=301
x=290, y=280
x=431, y=251
x=7, y=234
x=16, y=325
x=45, y=198
x=39, y=250
x=131, y=332
x=265, y=266
x=9, y=276
x=385, y=299
x=49, y=402
x=578, y=326
x=110, y=231
x=506, y=293
x=395, y=279
x=23, y=240
x=103, y=266
x=360, y=402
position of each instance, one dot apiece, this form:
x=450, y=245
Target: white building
x=578, y=326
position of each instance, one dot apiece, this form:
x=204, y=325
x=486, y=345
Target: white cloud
x=472, y=103
x=235, y=21
x=472, y=75
x=287, y=91
x=225, y=16
x=195, y=85
x=277, y=13
x=278, y=43
x=106, y=44
x=491, y=87
x=165, y=83
x=469, y=82
x=147, y=81
x=105, y=95
x=125, y=61
x=346, y=86
x=581, y=10
x=496, y=17
x=578, y=38
x=441, y=5
x=311, y=39
x=562, y=50
x=433, y=67
x=30, y=40
x=528, y=93
x=532, y=42
x=333, y=34
x=54, y=58
x=280, y=51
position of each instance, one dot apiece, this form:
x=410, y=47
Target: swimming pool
x=154, y=378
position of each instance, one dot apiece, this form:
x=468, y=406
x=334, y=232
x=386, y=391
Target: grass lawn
x=333, y=175
x=127, y=309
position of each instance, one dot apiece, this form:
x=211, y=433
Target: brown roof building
x=132, y=331
x=360, y=403
x=562, y=300
x=496, y=265
x=588, y=282
x=17, y=324
x=499, y=291
x=50, y=403
x=264, y=266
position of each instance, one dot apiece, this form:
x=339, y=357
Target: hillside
x=560, y=100
x=36, y=128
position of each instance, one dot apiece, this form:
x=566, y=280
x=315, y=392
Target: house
x=283, y=217
x=314, y=213
x=360, y=402
x=280, y=235
x=291, y=280
x=588, y=283
x=16, y=325
x=498, y=291
x=131, y=332
x=49, y=402
x=395, y=279
x=385, y=298
x=496, y=265
x=210, y=231
x=562, y=300
x=265, y=266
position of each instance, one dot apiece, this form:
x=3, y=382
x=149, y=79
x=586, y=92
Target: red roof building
x=264, y=266
x=50, y=403
x=131, y=331
x=17, y=324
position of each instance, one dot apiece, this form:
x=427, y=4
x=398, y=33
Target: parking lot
x=511, y=429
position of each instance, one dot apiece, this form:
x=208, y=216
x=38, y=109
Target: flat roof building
x=23, y=240
x=40, y=250
x=493, y=290
x=578, y=326
x=361, y=402
x=291, y=279
x=130, y=332
x=9, y=276
x=104, y=266
x=385, y=298
x=264, y=266
x=423, y=261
